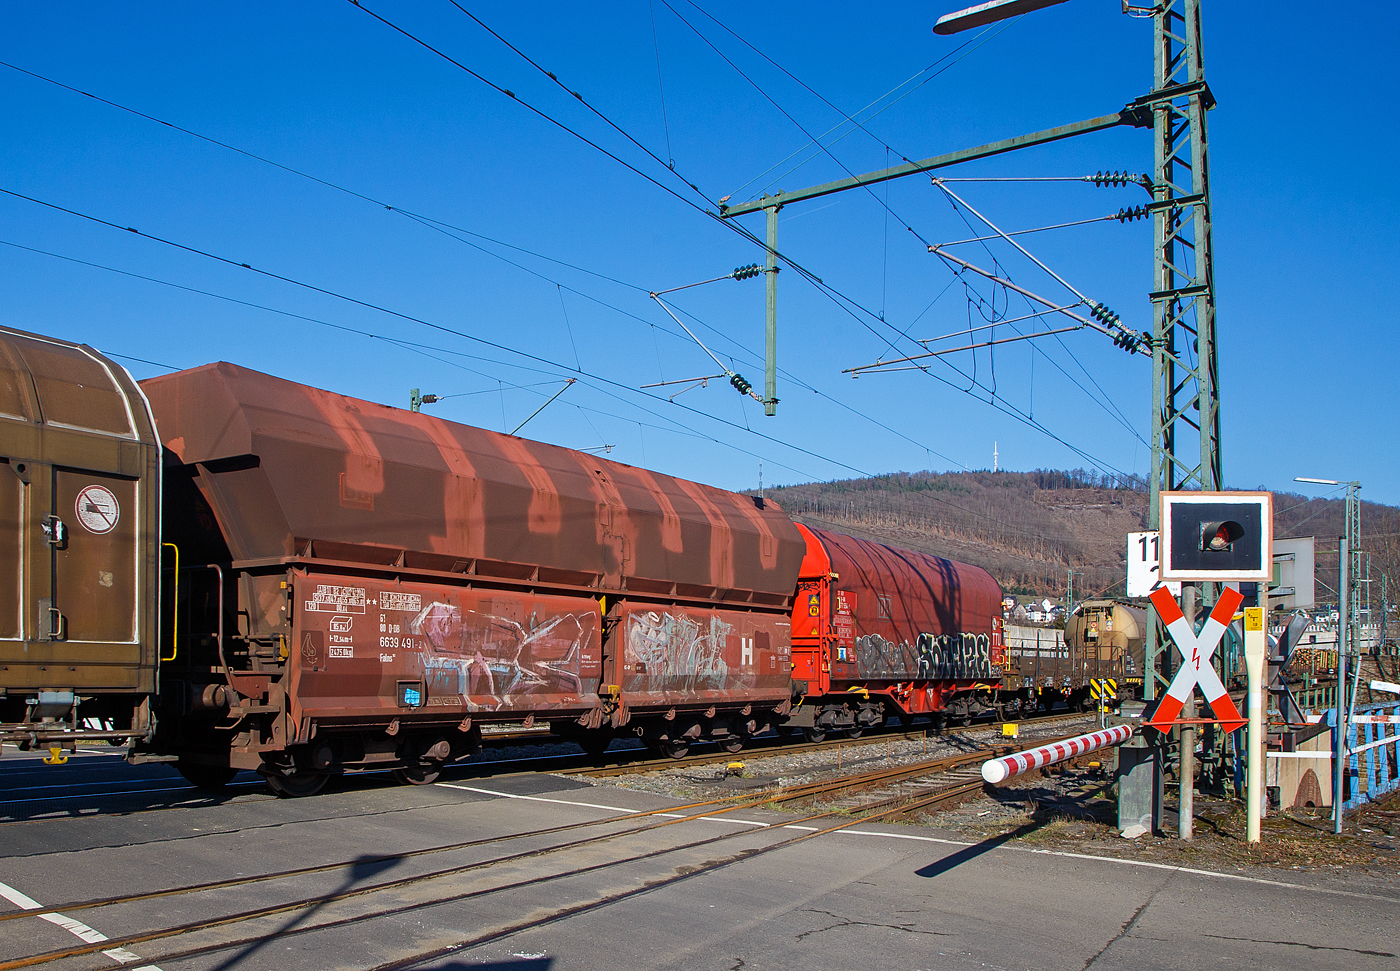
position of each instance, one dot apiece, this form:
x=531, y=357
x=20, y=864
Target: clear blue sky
x=1305, y=214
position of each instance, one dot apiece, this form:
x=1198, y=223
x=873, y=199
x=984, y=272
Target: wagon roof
x=283, y=465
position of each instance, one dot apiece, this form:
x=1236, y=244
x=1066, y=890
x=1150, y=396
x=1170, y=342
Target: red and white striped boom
x=997, y=771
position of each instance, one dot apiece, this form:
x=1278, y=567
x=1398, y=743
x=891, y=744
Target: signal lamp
x=1219, y=536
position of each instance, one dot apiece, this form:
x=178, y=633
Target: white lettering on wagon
x=333, y=599
x=409, y=602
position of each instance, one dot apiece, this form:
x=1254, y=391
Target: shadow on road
x=362, y=869
x=970, y=853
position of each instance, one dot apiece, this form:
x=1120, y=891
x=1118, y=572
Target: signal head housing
x=1217, y=536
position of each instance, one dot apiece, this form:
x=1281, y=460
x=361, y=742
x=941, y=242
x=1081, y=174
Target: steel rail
x=788, y=794
x=771, y=747
x=709, y=867
x=779, y=747
x=766, y=797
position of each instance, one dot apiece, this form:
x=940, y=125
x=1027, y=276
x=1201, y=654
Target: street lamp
x=1346, y=640
x=987, y=13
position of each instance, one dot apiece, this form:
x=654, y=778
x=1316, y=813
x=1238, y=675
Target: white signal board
x=1144, y=565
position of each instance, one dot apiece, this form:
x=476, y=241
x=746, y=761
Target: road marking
x=75, y=927
x=946, y=842
x=560, y=802
x=614, y=809
x=1142, y=863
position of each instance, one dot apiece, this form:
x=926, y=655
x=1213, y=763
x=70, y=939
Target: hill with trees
x=1031, y=529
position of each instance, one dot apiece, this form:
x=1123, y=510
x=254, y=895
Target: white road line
x=560, y=802
x=1142, y=863
x=945, y=842
x=75, y=927
x=594, y=805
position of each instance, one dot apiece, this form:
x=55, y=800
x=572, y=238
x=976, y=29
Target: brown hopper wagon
x=365, y=586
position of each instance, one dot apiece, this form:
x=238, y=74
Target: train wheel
x=420, y=774
x=855, y=732
x=674, y=748
x=593, y=744
x=296, y=786
x=733, y=744
x=211, y=777
x=814, y=735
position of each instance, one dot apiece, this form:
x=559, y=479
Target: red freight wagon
x=361, y=585
x=878, y=631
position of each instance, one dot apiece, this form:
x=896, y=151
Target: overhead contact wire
x=417, y=320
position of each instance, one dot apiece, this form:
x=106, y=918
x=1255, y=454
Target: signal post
x=1211, y=538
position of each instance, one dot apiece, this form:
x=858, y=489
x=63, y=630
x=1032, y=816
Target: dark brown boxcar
x=388, y=581
x=79, y=545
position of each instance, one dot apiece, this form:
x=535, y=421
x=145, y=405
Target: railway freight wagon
x=362, y=586
x=879, y=631
x=235, y=571
x=1101, y=639
x=79, y=520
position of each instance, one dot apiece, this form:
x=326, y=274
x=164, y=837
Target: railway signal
x=1217, y=536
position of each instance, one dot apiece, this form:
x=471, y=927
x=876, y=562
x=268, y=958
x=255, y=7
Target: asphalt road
x=676, y=896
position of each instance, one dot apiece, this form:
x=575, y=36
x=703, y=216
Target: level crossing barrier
x=997, y=771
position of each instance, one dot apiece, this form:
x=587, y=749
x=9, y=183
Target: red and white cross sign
x=1196, y=651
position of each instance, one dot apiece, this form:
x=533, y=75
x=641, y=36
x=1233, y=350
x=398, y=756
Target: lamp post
x=1348, y=556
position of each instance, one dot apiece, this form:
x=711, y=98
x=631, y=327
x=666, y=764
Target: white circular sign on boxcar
x=97, y=509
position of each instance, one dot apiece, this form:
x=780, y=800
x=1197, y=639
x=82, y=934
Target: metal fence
x=1373, y=764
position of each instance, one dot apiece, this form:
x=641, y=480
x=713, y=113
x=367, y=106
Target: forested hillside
x=1029, y=529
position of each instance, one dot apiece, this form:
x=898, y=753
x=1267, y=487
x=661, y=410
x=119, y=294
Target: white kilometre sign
x=1144, y=564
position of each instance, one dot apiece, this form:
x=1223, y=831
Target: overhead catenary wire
x=1023, y=251
x=957, y=54
x=1104, y=401
x=369, y=305
x=674, y=426
x=888, y=210
x=832, y=293
x=451, y=230
x=840, y=299
x=425, y=220
x=660, y=85
x=428, y=350
x=786, y=114
x=581, y=100
x=1038, y=229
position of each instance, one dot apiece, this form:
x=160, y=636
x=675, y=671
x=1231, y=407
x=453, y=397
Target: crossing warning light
x=1221, y=535
x=1217, y=536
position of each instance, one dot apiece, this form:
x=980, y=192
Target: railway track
x=775, y=746
x=118, y=789
x=889, y=803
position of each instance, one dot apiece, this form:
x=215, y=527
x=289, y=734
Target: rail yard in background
x=485, y=701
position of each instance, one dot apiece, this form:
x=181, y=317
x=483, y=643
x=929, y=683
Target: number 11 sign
x=1144, y=559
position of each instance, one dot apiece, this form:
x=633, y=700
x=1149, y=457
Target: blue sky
x=1305, y=221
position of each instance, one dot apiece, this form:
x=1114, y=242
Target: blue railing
x=1378, y=747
